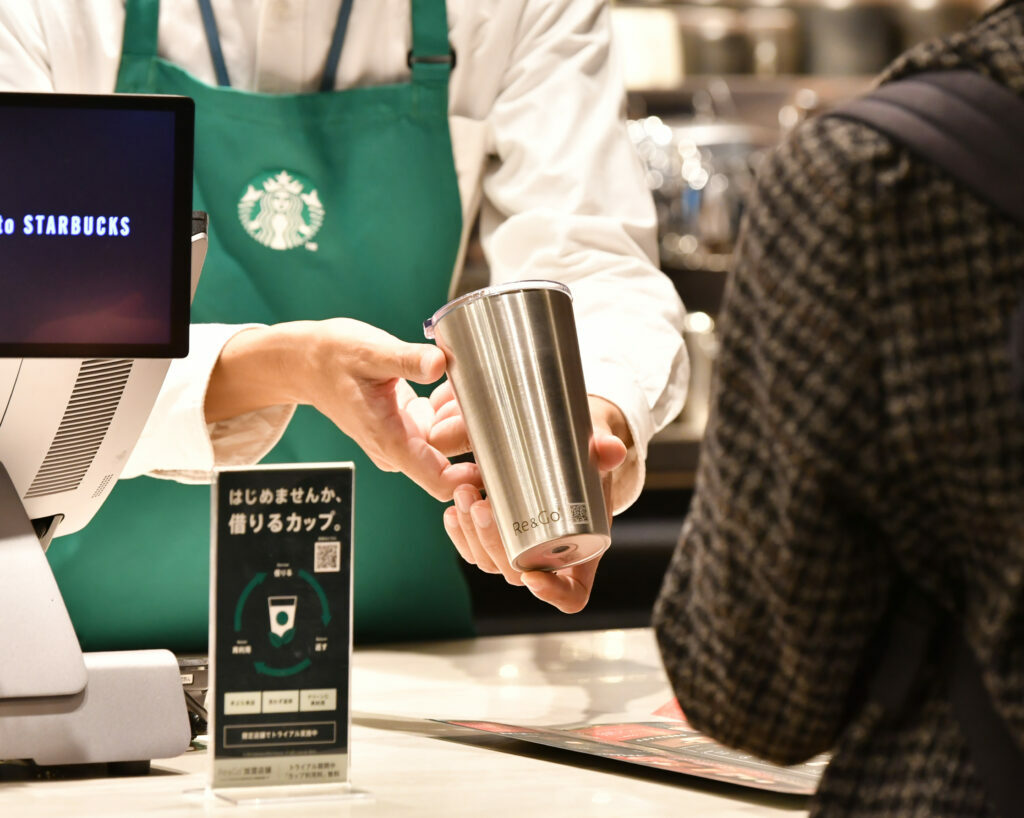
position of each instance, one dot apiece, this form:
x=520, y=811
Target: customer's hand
x=470, y=523
x=355, y=374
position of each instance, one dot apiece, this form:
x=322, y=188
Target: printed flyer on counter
x=667, y=742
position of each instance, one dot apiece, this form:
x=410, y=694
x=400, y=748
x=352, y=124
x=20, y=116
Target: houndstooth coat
x=864, y=424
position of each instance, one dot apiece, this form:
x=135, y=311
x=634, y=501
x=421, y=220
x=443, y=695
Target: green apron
x=340, y=203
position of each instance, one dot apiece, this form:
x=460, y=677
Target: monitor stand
x=58, y=705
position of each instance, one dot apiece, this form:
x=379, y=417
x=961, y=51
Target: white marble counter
x=406, y=764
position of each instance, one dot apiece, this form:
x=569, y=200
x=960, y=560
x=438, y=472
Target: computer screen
x=96, y=256
x=95, y=223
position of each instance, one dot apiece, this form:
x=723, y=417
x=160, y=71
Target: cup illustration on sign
x=282, y=619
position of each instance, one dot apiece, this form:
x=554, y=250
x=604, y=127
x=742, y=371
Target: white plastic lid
x=486, y=292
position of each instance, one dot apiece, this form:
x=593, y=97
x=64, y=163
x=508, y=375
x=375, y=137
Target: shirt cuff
x=614, y=383
x=177, y=443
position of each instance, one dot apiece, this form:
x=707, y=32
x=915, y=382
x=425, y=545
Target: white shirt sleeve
x=566, y=201
x=177, y=443
x=61, y=45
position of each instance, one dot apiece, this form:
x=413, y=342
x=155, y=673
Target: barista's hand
x=353, y=373
x=470, y=523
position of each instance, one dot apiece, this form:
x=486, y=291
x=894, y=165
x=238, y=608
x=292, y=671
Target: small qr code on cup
x=579, y=513
x=327, y=556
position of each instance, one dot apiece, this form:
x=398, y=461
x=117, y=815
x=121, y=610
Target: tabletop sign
x=281, y=625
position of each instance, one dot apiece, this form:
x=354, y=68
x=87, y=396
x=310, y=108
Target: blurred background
x=711, y=87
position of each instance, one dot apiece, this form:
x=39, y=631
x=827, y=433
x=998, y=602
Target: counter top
x=405, y=763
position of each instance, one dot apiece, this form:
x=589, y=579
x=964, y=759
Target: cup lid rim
x=485, y=292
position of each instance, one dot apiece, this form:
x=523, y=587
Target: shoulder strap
x=431, y=57
x=973, y=128
x=140, y=23
x=917, y=629
x=964, y=122
x=997, y=756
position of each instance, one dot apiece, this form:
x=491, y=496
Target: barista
x=342, y=150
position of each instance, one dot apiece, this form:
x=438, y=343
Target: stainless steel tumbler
x=514, y=363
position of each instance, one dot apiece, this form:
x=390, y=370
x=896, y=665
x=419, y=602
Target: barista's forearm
x=258, y=367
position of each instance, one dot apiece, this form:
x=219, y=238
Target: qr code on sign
x=579, y=513
x=327, y=556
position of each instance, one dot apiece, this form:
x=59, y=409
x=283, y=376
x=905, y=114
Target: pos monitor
x=97, y=253
x=95, y=229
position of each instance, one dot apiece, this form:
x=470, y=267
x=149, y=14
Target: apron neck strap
x=333, y=55
x=431, y=58
x=140, y=24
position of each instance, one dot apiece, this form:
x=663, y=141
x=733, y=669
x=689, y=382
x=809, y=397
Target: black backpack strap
x=970, y=126
x=912, y=628
x=973, y=128
x=918, y=629
x=967, y=124
x=998, y=758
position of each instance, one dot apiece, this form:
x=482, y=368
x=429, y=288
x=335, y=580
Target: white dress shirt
x=541, y=152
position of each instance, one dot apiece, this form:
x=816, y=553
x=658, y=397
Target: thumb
x=610, y=450
x=429, y=362
x=393, y=358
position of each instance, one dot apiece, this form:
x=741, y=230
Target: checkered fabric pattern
x=864, y=424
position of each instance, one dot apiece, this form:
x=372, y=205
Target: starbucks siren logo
x=277, y=212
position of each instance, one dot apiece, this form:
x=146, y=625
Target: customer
x=865, y=436
x=355, y=203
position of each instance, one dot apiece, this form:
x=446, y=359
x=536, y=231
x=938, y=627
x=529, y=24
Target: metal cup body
x=514, y=365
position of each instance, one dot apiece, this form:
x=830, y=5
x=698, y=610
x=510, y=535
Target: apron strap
x=431, y=58
x=213, y=40
x=140, y=24
x=333, y=55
